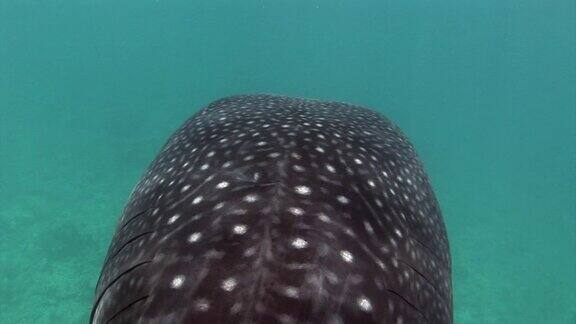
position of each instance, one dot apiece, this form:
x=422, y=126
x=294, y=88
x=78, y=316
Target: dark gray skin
x=268, y=209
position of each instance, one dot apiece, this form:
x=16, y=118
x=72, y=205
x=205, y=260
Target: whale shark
x=272, y=209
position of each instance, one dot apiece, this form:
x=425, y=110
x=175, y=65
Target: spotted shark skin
x=270, y=209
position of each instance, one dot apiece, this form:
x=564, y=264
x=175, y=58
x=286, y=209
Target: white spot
x=229, y=284
x=368, y=227
x=204, y=167
x=319, y=149
x=357, y=161
x=222, y=185
x=185, y=188
x=238, y=211
x=172, y=219
x=291, y=292
x=202, y=305
x=398, y=232
x=298, y=168
x=347, y=256
x=177, y=282
x=343, y=200
x=299, y=243
x=302, y=190
x=251, y=198
x=239, y=229
x=194, y=237
x=197, y=200
x=296, y=211
x=371, y=183
x=364, y=304
x=324, y=218
x=330, y=168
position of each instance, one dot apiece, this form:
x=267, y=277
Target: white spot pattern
x=318, y=184
x=177, y=282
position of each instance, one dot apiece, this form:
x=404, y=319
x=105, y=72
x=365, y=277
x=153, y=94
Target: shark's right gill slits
x=427, y=249
x=143, y=298
x=409, y=303
x=426, y=279
x=400, y=261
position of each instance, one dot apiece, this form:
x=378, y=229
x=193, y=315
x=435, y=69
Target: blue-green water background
x=485, y=89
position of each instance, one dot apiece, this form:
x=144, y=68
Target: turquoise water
x=90, y=90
